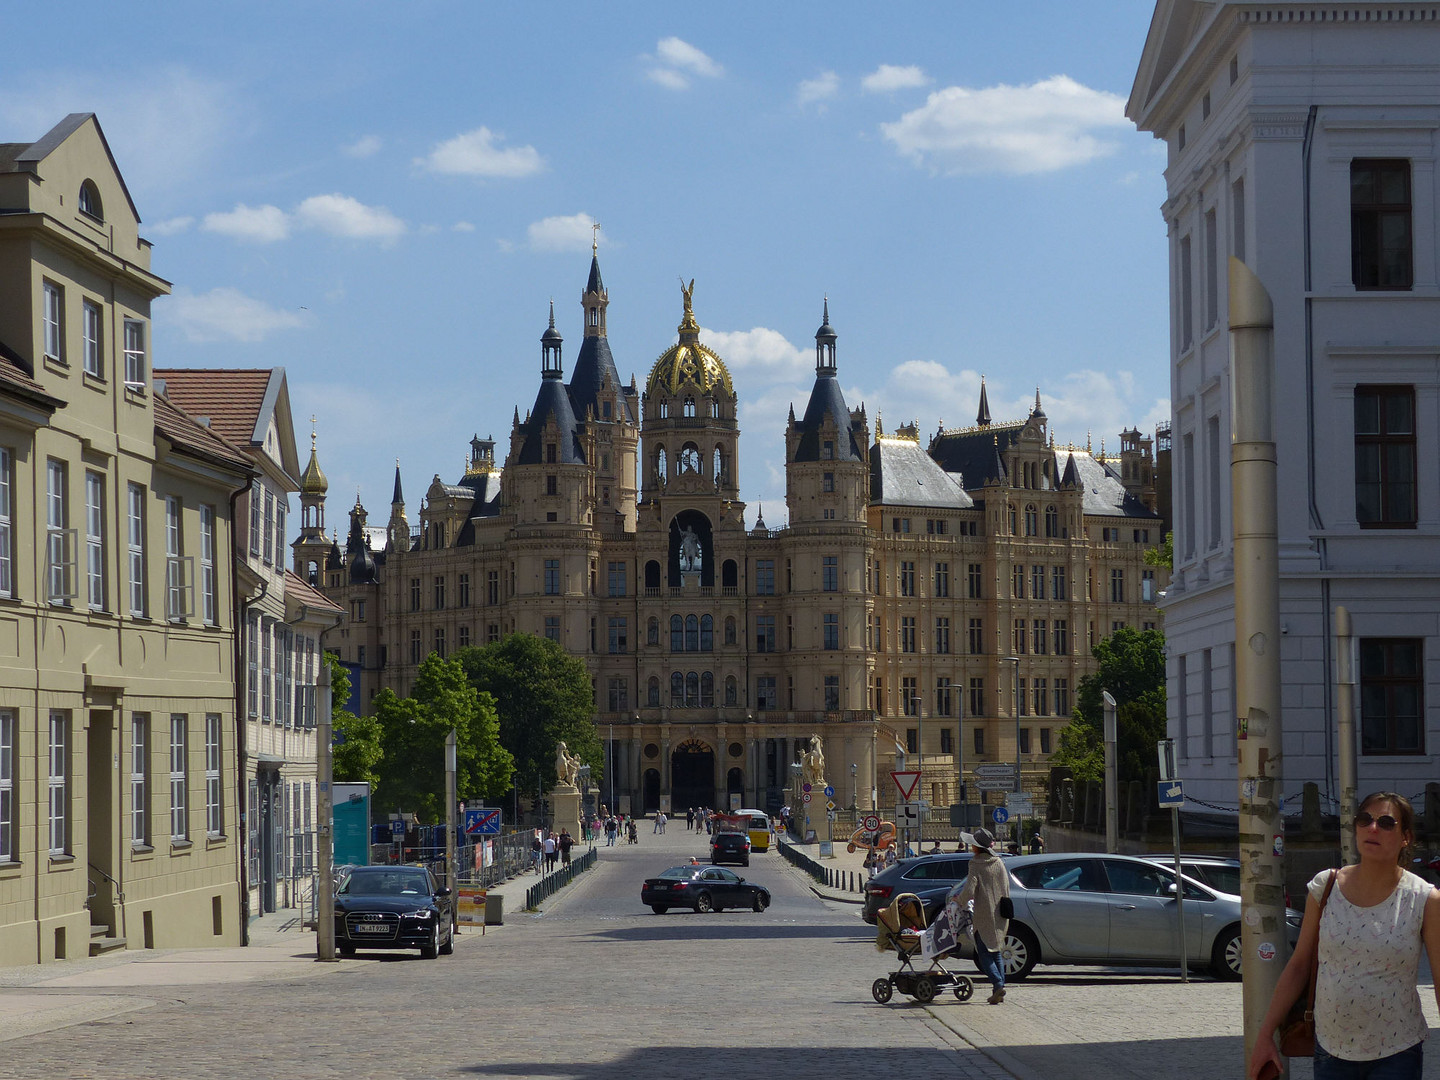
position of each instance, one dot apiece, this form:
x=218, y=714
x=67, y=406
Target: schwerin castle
x=919, y=601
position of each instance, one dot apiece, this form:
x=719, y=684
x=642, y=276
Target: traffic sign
x=482, y=822
x=995, y=770
x=829, y=791
x=1019, y=804
x=871, y=822
x=805, y=788
x=995, y=783
x=999, y=815
x=907, y=782
x=830, y=805
x=907, y=815
x=806, y=796
x=1171, y=792
x=397, y=828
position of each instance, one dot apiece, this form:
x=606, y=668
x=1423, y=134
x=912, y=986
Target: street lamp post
x=854, y=792
x=610, y=764
x=1015, y=686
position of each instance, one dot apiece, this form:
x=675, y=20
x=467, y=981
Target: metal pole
x=1345, y=707
x=452, y=878
x=1256, y=594
x=1112, y=810
x=325, y=814
x=1179, y=893
x=1015, y=708
x=960, y=756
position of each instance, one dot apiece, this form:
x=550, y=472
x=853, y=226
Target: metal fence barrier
x=550, y=884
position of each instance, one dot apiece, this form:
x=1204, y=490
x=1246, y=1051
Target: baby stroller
x=901, y=927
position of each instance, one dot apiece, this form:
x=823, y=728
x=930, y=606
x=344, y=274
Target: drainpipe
x=242, y=786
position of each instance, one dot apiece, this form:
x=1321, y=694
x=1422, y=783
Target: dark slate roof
x=552, y=401
x=1105, y=495
x=903, y=474
x=594, y=284
x=971, y=453
x=484, y=486
x=593, y=364
x=826, y=399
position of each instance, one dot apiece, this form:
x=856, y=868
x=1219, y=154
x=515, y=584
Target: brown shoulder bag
x=1297, y=1030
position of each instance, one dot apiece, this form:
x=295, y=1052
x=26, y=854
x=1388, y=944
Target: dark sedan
x=393, y=907
x=730, y=847
x=702, y=888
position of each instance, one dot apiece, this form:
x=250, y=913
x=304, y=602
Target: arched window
x=692, y=634
x=594, y=316
x=1012, y=521
x=715, y=408
x=664, y=409
x=1052, y=522
x=718, y=465
x=707, y=690
x=730, y=630
x=730, y=574
x=652, y=631
x=707, y=633
x=677, y=634
x=1032, y=520
x=677, y=690
x=689, y=459
x=90, y=201
x=692, y=690
x=652, y=574
x=730, y=692
x=653, y=693
x=661, y=462
x=689, y=406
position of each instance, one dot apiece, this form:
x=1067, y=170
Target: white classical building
x=1302, y=139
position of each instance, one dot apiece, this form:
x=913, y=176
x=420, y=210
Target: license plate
x=371, y=928
x=662, y=888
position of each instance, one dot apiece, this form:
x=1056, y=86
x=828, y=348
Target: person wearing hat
x=987, y=883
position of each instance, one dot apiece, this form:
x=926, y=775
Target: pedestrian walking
x=1365, y=927
x=537, y=851
x=658, y=818
x=566, y=842
x=690, y=819
x=664, y=820
x=983, y=890
x=551, y=851
x=634, y=832
x=610, y=830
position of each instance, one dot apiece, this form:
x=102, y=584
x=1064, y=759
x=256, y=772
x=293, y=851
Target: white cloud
x=504, y=246
x=761, y=353
x=570, y=233
x=671, y=80
x=681, y=54
x=474, y=153
x=343, y=216
x=169, y=227
x=821, y=88
x=257, y=224
x=888, y=78
x=363, y=147
x=224, y=314
x=1037, y=128
x=463, y=226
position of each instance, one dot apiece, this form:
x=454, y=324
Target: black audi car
x=702, y=888
x=393, y=907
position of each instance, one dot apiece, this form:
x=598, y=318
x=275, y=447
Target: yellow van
x=759, y=826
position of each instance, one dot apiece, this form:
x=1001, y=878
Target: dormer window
x=827, y=450
x=90, y=204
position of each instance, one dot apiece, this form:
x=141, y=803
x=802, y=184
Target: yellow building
x=881, y=612
x=118, y=814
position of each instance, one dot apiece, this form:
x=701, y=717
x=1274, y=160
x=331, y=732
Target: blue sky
x=383, y=198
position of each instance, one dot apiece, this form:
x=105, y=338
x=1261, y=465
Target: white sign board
x=1019, y=804
x=995, y=783
x=907, y=815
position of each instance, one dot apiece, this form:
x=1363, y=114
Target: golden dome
x=688, y=365
x=313, y=481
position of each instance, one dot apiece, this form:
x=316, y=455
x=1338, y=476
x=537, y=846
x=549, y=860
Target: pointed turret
x=998, y=465
x=595, y=376
x=825, y=344
x=1071, y=476
x=1038, y=412
x=827, y=402
x=982, y=415
x=551, y=366
x=397, y=499
x=397, y=531
x=552, y=404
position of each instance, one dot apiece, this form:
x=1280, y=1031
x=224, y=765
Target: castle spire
x=982, y=416
x=825, y=344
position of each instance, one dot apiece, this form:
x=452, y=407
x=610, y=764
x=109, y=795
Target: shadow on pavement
x=671, y=928
x=738, y=1062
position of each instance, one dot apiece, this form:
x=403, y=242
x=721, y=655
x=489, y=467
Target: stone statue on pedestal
x=567, y=765
x=812, y=763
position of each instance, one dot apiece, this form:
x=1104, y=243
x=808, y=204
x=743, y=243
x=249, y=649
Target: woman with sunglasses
x=1368, y=1022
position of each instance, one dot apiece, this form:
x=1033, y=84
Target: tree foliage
x=356, y=752
x=1131, y=665
x=1163, y=554
x=542, y=695
x=413, y=731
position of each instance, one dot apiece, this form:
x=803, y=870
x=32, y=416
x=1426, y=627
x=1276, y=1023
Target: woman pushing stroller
x=988, y=886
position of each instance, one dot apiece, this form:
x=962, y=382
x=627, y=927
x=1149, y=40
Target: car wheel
x=432, y=950
x=759, y=902
x=703, y=903
x=882, y=991
x=659, y=909
x=1225, y=957
x=1020, y=953
x=924, y=989
x=347, y=950
x=449, y=946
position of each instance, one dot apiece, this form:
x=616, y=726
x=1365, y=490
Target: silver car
x=1086, y=908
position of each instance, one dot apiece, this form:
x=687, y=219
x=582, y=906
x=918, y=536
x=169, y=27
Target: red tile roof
x=230, y=398
x=194, y=438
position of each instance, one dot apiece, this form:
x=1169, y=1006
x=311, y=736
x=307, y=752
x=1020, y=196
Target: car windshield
x=679, y=873
x=390, y=883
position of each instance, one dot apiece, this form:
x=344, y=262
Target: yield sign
x=907, y=782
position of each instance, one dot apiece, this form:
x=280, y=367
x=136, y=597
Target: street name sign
x=995, y=770
x=995, y=783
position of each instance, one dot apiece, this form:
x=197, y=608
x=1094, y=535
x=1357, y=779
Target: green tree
x=413, y=731
x=356, y=752
x=1131, y=665
x=543, y=695
x=1163, y=555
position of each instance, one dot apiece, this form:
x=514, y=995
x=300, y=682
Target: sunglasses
x=1364, y=820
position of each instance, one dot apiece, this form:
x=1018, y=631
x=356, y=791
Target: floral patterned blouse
x=1367, y=1001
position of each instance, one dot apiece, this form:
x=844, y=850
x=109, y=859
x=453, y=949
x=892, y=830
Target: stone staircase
x=103, y=939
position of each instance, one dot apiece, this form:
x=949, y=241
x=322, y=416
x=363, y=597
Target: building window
x=832, y=630
x=7, y=523
x=1057, y=584
x=1062, y=697
x=1017, y=636
x=907, y=579
x=1024, y=740
x=1037, y=583
x=1381, y=237
x=827, y=450
x=492, y=633
x=977, y=637
x=1212, y=270
x=832, y=693
x=616, y=574
x=552, y=627
x=210, y=610
x=93, y=338
x=179, y=778
x=619, y=642
x=942, y=579
x=972, y=581
x=268, y=530
x=1022, y=697
x=178, y=569
x=979, y=742
x=552, y=577
x=828, y=482
x=214, y=791
x=764, y=577
x=462, y=637
x=1042, y=697
x=439, y=594
x=1392, y=696
x=830, y=573
x=1117, y=586
x=1032, y=520
x=907, y=633
x=95, y=540
x=416, y=647
x=619, y=694
x=54, y=322
x=463, y=590
x=135, y=366
x=1187, y=292
x=1039, y=638
x=944, y=705
x=910, y=697
x=942, y=635
x=1062, y=637
x=8, y=848
x=1385, y=457
x=766, y=699
x=440, y=642
x=1044, y=740
x=765, y=633
x=492, y=587
x=59, y=782
x=1052, y=522
x=60, y=538
x=1017, y=582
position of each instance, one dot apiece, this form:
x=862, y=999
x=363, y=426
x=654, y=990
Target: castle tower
x=397, y=532
x=311, y=547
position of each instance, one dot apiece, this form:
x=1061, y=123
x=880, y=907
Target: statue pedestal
x=565, y=810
